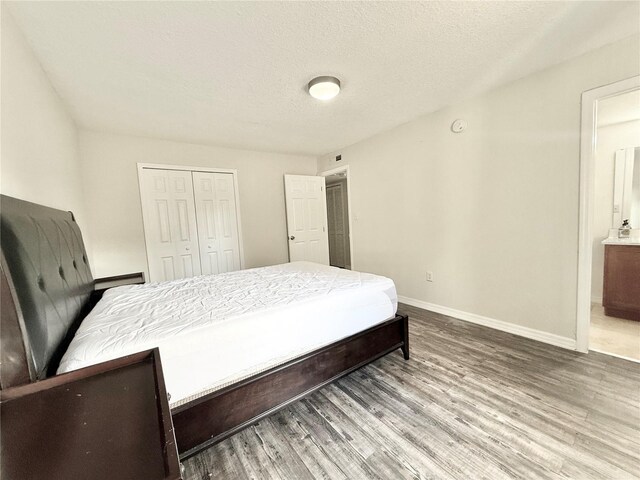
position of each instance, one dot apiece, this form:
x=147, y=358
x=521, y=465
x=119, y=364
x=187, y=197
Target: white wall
x=610, y=138
x=112, y=196
x=492, y=211
x=39, y=151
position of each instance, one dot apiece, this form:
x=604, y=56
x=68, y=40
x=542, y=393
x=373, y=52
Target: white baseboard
x=595, y=299
x=541, y=336
x=614, y=355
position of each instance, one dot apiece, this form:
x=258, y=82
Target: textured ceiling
x=234, y=73
x=619, y=109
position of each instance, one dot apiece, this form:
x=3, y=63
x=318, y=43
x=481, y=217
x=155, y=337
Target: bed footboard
x=218, y=415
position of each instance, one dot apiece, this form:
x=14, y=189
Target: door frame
x=333, y=171
x=588, y=137
x=187, y=168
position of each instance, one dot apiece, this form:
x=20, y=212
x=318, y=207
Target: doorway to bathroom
x=609, y=289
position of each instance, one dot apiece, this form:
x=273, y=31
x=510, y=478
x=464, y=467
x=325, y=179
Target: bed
x=235, y=347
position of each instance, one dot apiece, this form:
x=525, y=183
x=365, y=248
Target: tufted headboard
x=46, y=287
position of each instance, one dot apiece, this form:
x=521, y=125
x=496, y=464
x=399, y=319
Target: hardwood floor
x=471, y=403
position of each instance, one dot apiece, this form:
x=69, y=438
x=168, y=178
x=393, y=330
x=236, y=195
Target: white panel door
x=170, y=224
x=307, y=218
x=217, y=219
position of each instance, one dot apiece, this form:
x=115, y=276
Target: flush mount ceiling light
x=324, y=88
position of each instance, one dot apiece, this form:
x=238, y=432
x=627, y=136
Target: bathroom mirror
x=626, y=187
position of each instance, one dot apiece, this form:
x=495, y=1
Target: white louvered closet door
x=170, y=228
x=216, y=213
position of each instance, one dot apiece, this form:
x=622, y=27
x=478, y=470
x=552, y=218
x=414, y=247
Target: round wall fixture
x=458, y=125
x=324, y=88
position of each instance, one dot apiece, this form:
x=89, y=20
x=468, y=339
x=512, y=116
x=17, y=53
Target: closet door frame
x=186, y=168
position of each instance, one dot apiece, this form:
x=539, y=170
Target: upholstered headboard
x=46, y=276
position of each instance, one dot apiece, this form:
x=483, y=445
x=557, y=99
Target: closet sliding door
x=191, y=222
x=217, y=220
x=170, y=229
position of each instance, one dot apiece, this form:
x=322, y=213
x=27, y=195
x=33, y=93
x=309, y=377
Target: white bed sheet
x=213, y=330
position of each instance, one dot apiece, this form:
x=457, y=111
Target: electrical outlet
x=429, y=276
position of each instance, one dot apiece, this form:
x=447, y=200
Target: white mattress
x=213, y=330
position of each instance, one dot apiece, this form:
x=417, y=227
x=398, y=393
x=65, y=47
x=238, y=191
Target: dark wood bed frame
x=33, y=340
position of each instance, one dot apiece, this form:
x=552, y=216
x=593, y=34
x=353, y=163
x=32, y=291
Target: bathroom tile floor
x=614, y=335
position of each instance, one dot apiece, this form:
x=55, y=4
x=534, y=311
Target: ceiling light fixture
x=324, y=88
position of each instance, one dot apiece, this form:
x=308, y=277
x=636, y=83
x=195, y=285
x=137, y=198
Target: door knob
x=292, y=237
x=187, y=249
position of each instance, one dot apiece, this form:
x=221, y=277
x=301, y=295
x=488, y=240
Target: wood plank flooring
x=471, y=403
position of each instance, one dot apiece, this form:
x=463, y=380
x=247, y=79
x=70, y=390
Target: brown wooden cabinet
x=621, y=295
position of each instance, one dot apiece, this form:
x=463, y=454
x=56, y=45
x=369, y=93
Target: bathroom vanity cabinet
x=621, y=294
